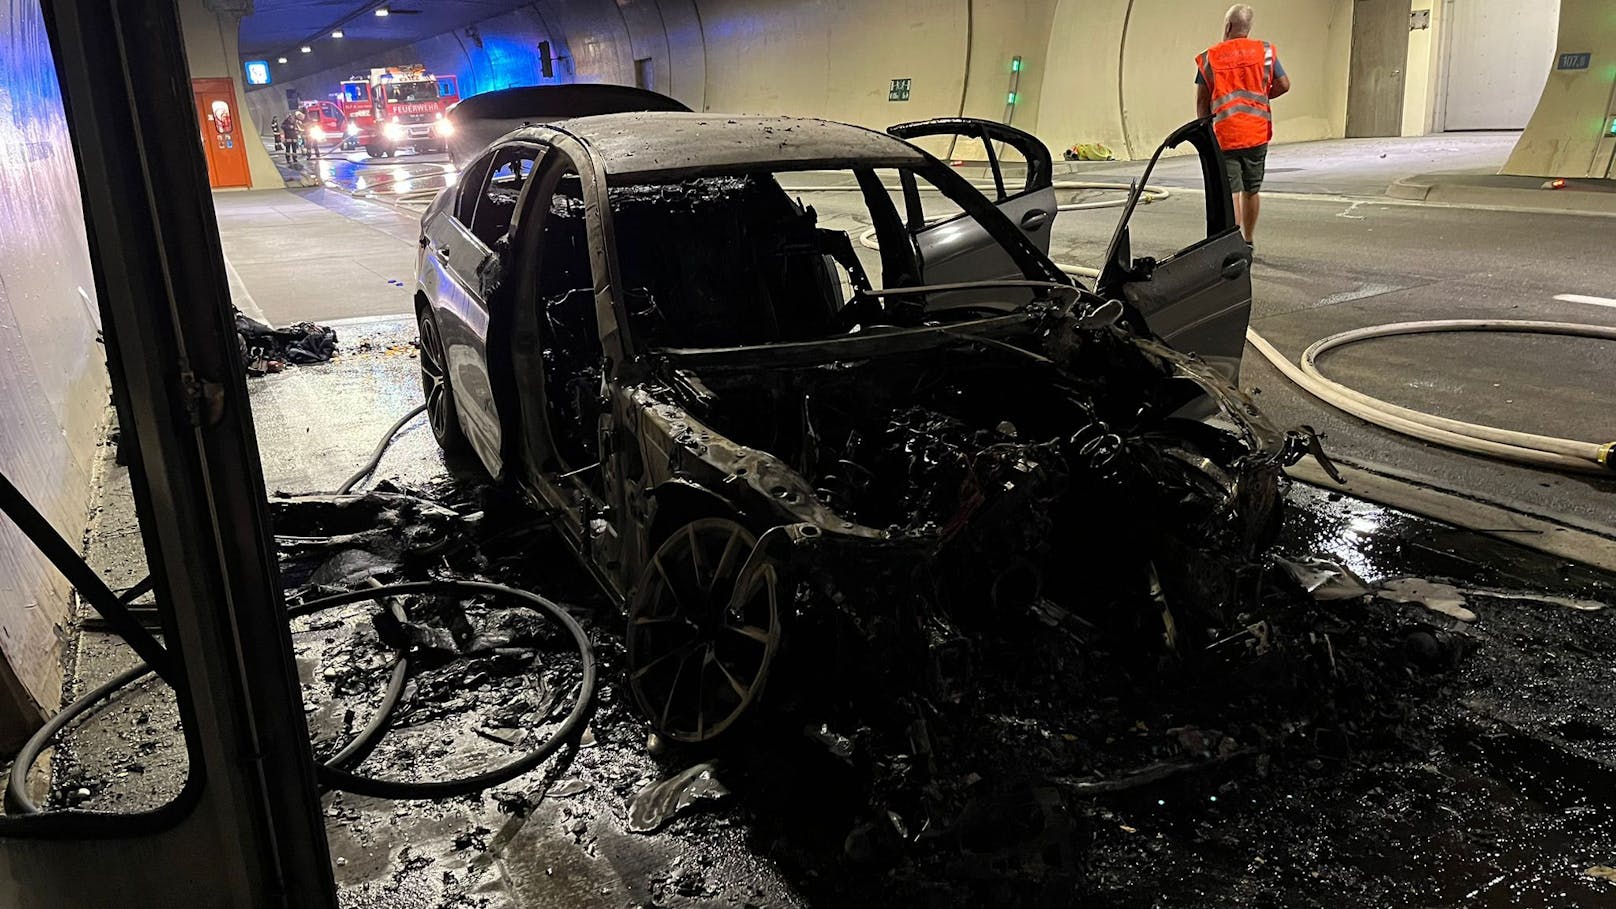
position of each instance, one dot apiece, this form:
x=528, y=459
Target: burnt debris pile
x=981, y=778
x=988, y=789
x=467, y=679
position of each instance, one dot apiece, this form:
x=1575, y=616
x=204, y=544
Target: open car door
x=1199, y=298
x=953, y=247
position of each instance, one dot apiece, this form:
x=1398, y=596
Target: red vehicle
x=399, y=107
x=324, y=123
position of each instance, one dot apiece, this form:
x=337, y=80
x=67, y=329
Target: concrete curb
x=1410, y=188
x=1553, y=535
x=1511, y=194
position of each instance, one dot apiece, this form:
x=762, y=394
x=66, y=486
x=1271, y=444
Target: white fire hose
x=1476, y=438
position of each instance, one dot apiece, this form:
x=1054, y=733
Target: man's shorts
x=1245, y=168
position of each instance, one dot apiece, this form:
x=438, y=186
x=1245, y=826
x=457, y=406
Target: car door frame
x=467, y=272
x=557, y=483
x=1031, y=207
x=1198, y=299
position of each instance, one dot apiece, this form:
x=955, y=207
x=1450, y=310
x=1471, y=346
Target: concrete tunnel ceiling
x=279, y=28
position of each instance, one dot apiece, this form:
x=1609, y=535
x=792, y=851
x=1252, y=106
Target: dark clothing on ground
x=265, y=348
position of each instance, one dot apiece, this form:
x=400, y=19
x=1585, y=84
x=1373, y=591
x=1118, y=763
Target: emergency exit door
x=220, y=124
x=1375, y=80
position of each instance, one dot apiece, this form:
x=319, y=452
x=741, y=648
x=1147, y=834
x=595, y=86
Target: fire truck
x=398, y=107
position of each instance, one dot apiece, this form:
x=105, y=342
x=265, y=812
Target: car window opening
x=738, y=260
x=496, y=205
x=734, y=260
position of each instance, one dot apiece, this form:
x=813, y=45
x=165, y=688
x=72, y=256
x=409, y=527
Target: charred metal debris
x=982, y=779
x=1035, y=472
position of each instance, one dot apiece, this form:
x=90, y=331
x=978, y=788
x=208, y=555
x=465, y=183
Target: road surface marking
x=239, y=294
x=365, y=320
x=1362, y=292
x=1580, y=298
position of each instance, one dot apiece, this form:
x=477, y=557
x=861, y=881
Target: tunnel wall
x=211, y=52
x=1423, y=70
x=53, y=381
x=1125, y=73
x=1569, y=134
x=836, y=59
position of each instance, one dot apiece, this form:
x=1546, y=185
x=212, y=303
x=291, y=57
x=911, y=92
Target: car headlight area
x=393, y=132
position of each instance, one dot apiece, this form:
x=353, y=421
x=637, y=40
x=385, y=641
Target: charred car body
x=752, y=445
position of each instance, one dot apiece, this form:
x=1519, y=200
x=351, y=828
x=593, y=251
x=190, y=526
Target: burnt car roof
x=662, y=146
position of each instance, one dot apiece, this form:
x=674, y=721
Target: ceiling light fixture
x=382, y=11
x=336, y=33
x=306, y=49
x=280, y=59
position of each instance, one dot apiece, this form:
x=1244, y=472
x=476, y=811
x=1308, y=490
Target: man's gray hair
x=1237, y=21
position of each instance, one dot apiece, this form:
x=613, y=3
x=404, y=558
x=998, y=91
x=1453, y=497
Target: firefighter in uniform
x=1236, y=82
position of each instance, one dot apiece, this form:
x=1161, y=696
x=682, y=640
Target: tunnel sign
x=1575, y=61
x=257, y=72
x=899, y=90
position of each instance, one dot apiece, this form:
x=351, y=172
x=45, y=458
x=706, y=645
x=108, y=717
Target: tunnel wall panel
x=837, y=59
x=687, y=52
x=1139, y=58
x=53, y=385
x=1569, y=134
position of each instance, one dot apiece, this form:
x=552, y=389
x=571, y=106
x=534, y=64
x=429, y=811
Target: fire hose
x=1475, y=438
x=335, y=772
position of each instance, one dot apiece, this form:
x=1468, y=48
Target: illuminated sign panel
x=258, y=72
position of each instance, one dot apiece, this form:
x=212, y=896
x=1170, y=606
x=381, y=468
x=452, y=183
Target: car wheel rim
x=433, y=384
x=703, y=630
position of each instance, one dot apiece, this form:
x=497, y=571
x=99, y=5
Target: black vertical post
x=198, y=485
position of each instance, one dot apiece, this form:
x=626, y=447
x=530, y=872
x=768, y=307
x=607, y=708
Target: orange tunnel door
x=220, y=121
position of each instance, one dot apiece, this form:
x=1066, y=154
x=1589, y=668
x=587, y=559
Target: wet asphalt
x=1486, y=783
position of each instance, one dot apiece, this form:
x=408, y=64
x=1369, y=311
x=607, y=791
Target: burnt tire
x=704, y=628
x=441, y=412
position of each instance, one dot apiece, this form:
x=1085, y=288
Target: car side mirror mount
x=1100, y=315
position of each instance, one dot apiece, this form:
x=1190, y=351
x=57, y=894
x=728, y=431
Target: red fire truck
x=399, y=107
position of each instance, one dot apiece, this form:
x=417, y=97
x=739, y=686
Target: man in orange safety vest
x=1235, y=83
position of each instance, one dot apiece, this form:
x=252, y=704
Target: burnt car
x=761, y=436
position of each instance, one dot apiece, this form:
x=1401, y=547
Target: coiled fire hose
x=336, y=772
x=1475, y=438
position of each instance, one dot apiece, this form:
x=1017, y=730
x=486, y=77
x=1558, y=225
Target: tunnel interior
x=701, y=571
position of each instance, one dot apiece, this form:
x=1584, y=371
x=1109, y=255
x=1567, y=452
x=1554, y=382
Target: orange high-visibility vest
x=1239, y=72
